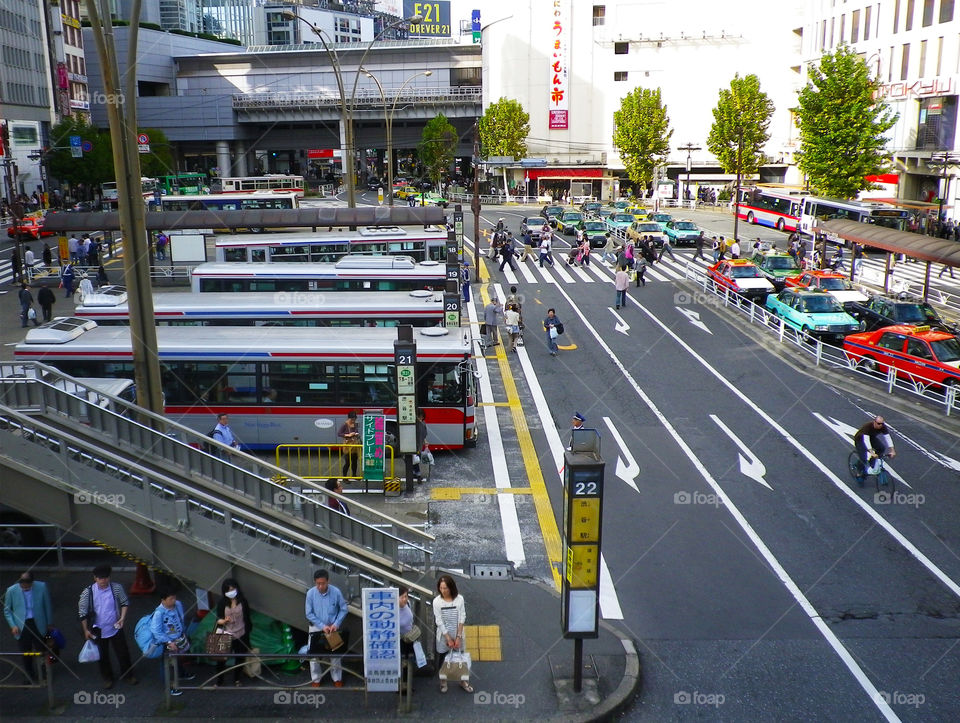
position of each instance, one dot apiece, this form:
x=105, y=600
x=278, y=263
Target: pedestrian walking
x=234, y=616
x=26, y=306
x=16, y=266
x=553, y=327
x=735, y=249
x=86, y=287
x=46, y=299
x=29, y=614
x=102, y=278
x=223, y=433
x=640, y=271
x=699, y=242
x=715, y=249
x=335, y=503
x=945, y=268
x=507, y=253
x=584, y=255
x=511, y=321
x=67, y=276
x=103, y=609
x=29, y=261
x=545, y=249
x=325, y=611
x=47, y=255
x=620, y=282
x=610, y=249
x=666, y=248
x=465, y=280
x=491, y=314
x=73, y=248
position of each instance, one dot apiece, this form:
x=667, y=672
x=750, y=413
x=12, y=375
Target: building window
x=946, y=11
x=927, y=13
x=896, y=16
x=866, y=22
x=843, y=24
x=619, y=75
x=890, y=67
x=823, y=35
x=855, y=27
x=832, y=21
x=908, y=21
x=621, y=48
x=937, y=123
x=599, y=14
x=905, y=61
x=923, y=59
x=465, y=76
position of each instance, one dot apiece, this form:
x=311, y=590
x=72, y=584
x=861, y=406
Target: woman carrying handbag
x=449, y=615
x=233, y=616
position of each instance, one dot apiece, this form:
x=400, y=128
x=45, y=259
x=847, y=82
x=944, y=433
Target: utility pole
x=943, y=159
x=688, y=148
x=122, y=114
x=475, y=201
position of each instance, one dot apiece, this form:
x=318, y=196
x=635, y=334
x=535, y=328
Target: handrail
x=364, y=96
x=165, y=503
x=29, y=385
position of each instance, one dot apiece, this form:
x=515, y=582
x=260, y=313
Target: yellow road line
x=493, y=404
x=541, y=498
x=455, y=493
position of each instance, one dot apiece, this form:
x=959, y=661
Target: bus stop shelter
x=928, y=249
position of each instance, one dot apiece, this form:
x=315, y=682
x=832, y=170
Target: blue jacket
x=168, y=625
x=15, y=607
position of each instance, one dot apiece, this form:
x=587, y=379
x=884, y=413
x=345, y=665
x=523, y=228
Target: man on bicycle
x=877, y=435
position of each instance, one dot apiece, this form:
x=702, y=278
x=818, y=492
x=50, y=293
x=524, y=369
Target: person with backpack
x=169, y=630
x=162, y=241
x=103, y=609
x=223, y=433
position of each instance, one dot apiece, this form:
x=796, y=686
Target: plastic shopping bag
x=89, y=653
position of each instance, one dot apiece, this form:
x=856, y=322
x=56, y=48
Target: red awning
x=536, y=173
x=884, y=178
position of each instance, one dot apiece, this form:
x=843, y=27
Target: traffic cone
x=142, y=583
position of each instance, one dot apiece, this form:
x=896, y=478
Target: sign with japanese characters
x=381, y=639
x=558, y=59
x=374, y=429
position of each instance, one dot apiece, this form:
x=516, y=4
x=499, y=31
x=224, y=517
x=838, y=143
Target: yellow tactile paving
x=483, y=642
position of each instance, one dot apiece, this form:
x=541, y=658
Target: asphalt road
x=758, y=581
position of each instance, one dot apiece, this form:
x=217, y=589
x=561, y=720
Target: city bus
x=279, y=385
x=108, y=192
x=108, y=307
x=814, y=209
x=191, y=184
x=777, y=208
x=230, y=202
x=270, y=182
x=351, y=273
x=421, y=244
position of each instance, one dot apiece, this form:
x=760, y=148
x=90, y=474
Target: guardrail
x=364, y=97
x=11, y=664
x=325, y=461
x=944, y=396
x=31, y=388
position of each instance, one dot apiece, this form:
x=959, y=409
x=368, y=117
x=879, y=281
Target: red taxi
x=31, y=227
x=741, y=277
x=916, y=352
x=837, y=285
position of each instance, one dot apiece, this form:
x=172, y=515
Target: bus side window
x=258, y=255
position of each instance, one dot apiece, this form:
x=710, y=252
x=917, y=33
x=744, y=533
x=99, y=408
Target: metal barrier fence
x=325, y=461
x=12, y=665
x=944, y=396
x=14, y=532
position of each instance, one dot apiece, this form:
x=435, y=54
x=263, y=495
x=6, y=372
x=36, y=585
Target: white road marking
x=627, y=467
x=693, y=317
x=750, y=465
x=581, y=273
x=509, y=522
x=772, y=561
x=621, y=326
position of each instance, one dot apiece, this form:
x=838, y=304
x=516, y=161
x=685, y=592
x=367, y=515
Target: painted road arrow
x=621, y=326
x=750, y=466
x=693, y=317
x=627, y=467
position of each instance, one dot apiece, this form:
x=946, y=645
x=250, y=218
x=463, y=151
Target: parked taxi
x=813, y=312
x=742, y=277
x=916, y=352
x=837, y=285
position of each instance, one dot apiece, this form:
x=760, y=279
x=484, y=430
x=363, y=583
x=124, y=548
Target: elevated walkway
x=107, y=470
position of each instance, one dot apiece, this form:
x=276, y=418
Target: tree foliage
x=740, y=122
x=438, y=145
x=842, y=125
x=96, y=165
x=503, y=129
x=641, y=133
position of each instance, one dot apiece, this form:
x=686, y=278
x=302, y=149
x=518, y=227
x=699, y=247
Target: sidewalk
x=522, y=685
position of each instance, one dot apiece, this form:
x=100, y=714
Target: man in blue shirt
x=223, y=433
x=325, y=610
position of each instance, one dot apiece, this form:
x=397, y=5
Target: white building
x=914, y=48
x=594, y=54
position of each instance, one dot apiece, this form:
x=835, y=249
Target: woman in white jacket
x=449, y=615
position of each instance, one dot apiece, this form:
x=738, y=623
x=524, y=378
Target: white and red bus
x=777, y=208
x=280, y=385
x=270, y=182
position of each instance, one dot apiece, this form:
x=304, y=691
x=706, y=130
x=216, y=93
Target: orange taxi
x=918, y=353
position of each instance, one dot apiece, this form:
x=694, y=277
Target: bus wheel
x=780, y=225
x=751, y=218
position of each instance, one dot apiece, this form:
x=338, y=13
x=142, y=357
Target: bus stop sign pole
x=405, y=362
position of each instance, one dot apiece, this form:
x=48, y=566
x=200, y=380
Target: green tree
x=159, y=161
x=438, y=145
x=842, y=125
x=93, y=167
x=641, y=133
x=739, y=132
x=503, y=129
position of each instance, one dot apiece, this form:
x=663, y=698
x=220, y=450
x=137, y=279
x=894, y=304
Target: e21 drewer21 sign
x=436, y=18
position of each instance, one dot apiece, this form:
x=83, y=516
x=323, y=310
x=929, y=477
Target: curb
x=629, y=685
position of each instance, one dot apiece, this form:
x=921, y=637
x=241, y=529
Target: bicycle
x=884, y=482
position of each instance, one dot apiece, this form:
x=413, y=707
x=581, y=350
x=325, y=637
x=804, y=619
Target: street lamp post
x=943, y=159
x=688, y=148
x=346, y=106
x=388, y=119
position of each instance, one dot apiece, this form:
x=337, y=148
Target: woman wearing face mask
x=233, y=615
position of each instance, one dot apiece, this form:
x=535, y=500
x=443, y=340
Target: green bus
x=184, y=184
